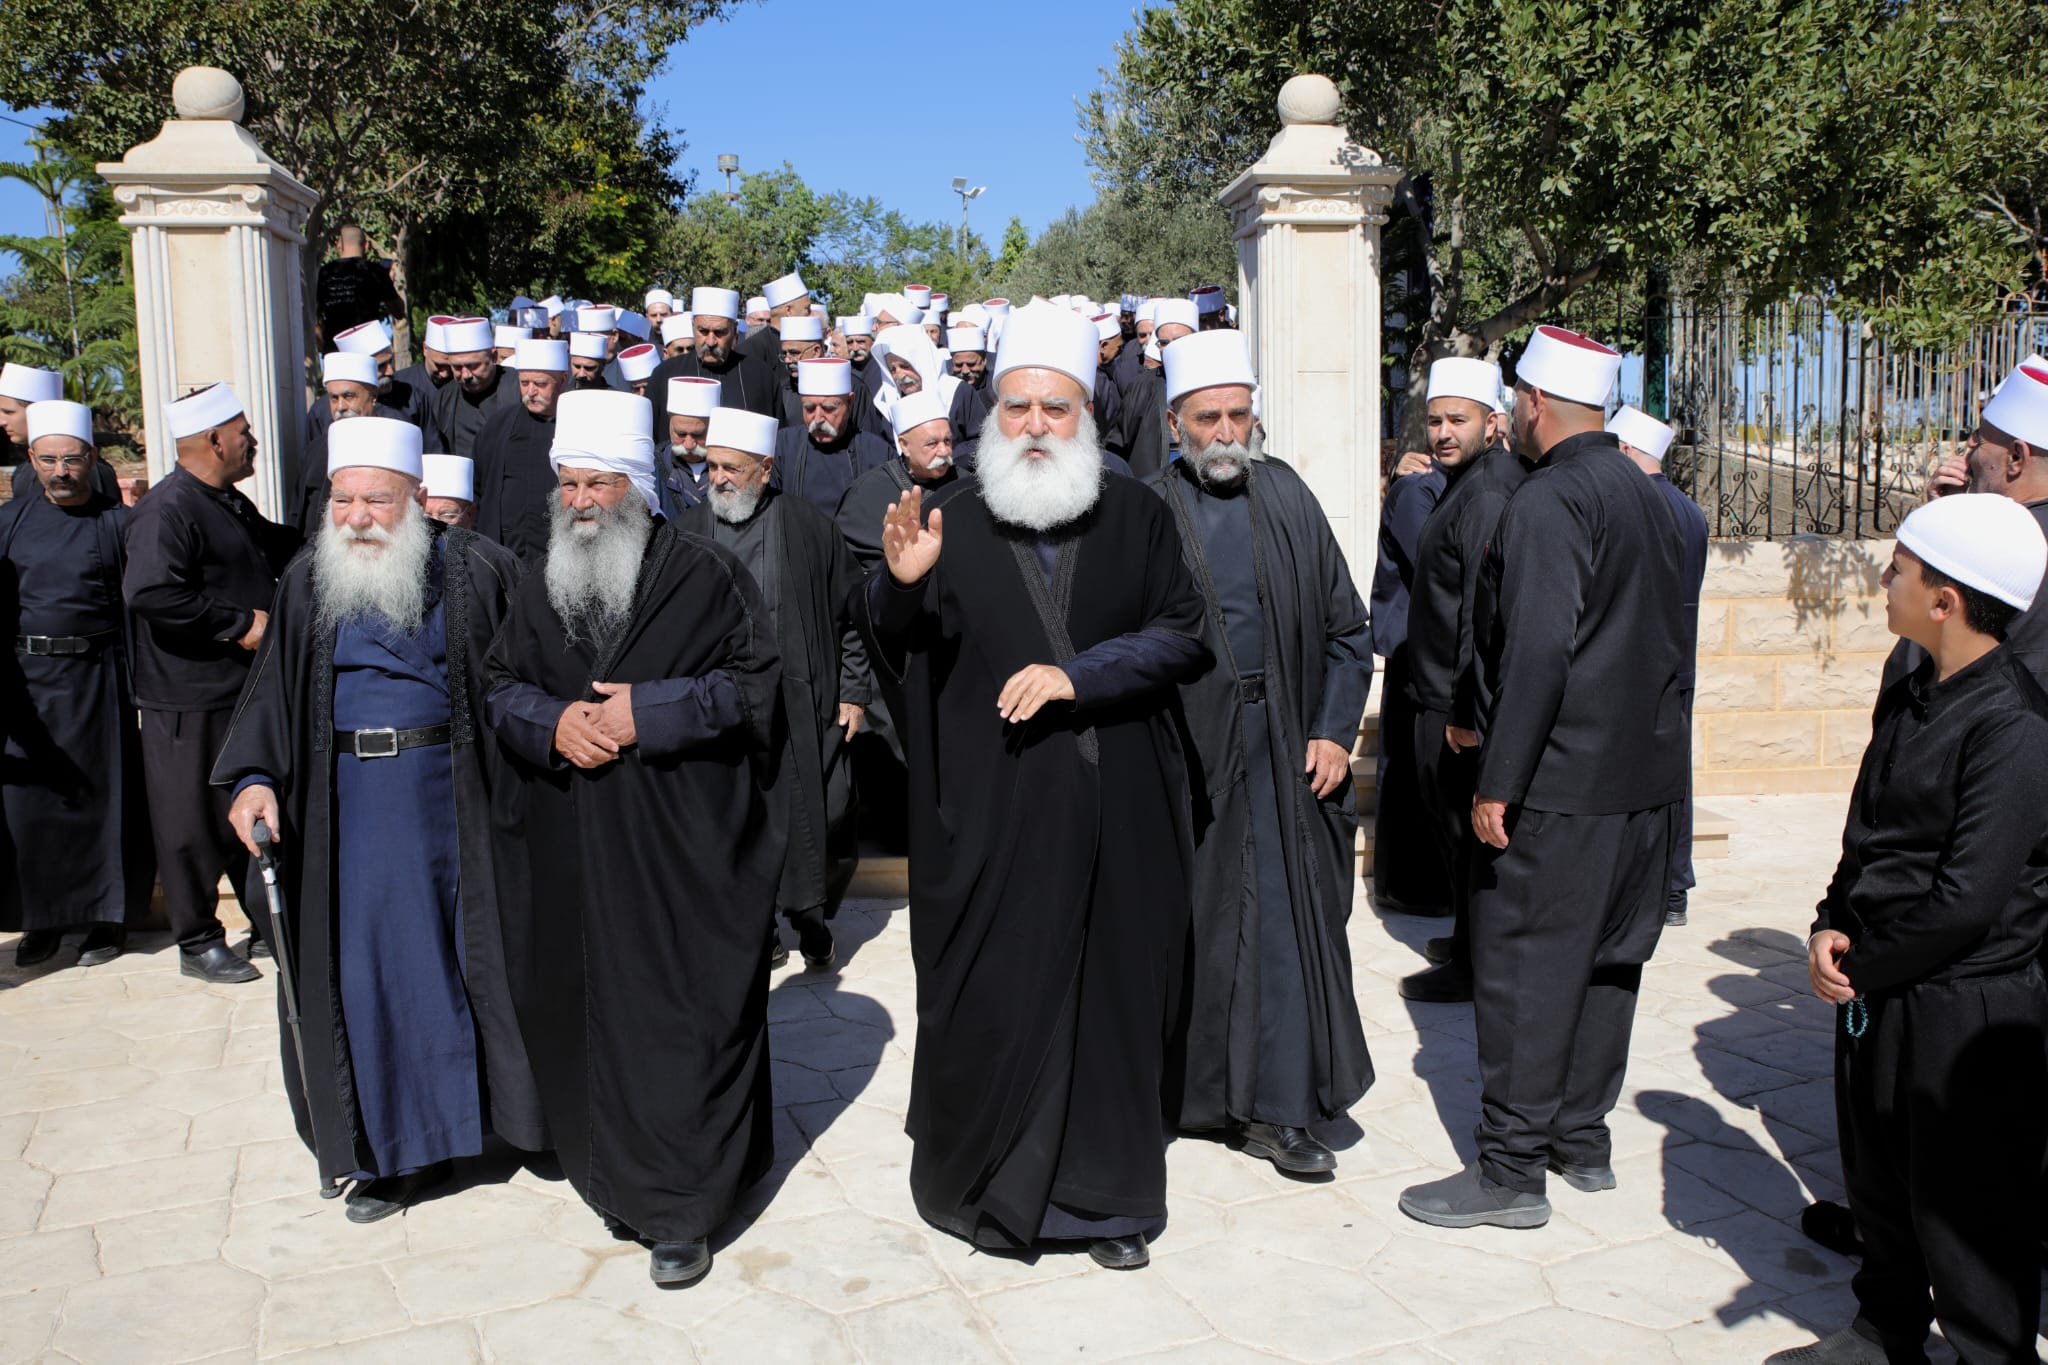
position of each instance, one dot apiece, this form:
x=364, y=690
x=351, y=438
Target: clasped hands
x=591, y=734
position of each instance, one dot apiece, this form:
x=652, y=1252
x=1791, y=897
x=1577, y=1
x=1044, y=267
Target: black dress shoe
x=1449, y=984
x=1440, y=950
x=371, y=1200
x=778, y=956
x=1833, y=1226
x=821, y=961
x=674, y=1263
x=1120, y=1253
x=256, y=947
x=37, y=946
x=103, y=943
x=218, y=966
x=1292, y=1150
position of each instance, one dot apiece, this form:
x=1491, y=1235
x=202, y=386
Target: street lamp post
x=960, y=188
x=730, y=164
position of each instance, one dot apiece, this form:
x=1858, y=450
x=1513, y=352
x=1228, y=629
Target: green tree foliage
x=1016, y=242
x=1129, y=243
x=487, y=139
x=1880, y=152
x=69, y=305
x=844, y=247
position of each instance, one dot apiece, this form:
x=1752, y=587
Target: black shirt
x=1944, y=868
x=1410, y=499
x=1445, y=581
x=201, y=562
x=352, y=290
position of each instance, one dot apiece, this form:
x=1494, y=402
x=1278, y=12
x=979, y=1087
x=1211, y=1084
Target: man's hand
x=1029, y=689
x=253, y=636
x=911, y=547
x=1490, y=821
x=615, y=713
x=1460, y=740
x=1823, y=959
x=580, y=739
x=255, y=803
x=1411, y=462
x=1952, y=475
x=1328, y=765
x=850, y=718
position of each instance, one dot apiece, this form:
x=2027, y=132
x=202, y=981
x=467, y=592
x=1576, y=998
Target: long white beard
x=593, y=564
x=373, y=573
x=1043, y=493
x=734, y=506
x=1223, y=464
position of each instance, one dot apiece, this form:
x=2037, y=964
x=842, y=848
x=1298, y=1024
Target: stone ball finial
x=1309, y=99
x=207, y=92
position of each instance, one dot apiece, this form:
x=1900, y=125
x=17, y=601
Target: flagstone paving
x=156, y=1207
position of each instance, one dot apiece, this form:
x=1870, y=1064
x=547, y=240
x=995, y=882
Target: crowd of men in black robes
x=631, y=597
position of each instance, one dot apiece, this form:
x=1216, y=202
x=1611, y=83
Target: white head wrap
x=609, y=431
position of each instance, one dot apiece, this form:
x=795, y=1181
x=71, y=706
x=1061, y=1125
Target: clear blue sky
x=984, y=91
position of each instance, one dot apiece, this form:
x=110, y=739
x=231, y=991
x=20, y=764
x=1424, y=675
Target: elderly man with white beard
x=1029, y=639
x=358, y=741
x=636, y=685
x=806, y=576
x=1274, y=1039
x=928, y=461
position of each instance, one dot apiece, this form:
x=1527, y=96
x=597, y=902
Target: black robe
x=1147, y=442
x=745, y=382
x=460, y=418
x=866, y=505
x=1048, y=862
x=515, y=482
x=824, y=663
x=74, y=818
x=408, y=397
x=636, y=894
x=284, y=729
x=821, y=477
x=1317, y=666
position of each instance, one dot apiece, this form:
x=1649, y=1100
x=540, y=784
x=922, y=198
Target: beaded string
x=1855, y=1017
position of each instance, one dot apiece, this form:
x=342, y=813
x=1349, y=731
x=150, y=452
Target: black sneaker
x=1469, y=1200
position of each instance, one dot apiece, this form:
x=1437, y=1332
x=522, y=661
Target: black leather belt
x=63, y=644
x=387, y=743
x=1251, y=688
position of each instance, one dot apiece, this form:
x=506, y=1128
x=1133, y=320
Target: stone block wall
x=1792, y=641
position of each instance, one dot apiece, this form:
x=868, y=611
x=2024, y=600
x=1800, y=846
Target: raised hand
x=911, y=547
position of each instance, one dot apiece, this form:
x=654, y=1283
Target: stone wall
x=1792, y=640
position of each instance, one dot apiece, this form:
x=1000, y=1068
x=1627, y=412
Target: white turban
x=609, y=431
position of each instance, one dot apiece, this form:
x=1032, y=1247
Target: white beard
x=734, y=507
x=593, y=564
x=1042, y=493
x=1224, y=464
x=375, y=573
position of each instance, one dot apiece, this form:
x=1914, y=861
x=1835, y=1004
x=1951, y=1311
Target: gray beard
x=591, y=574
x=737, y=507
x=1223, y=464
x=1044, y=493
x=389, y=583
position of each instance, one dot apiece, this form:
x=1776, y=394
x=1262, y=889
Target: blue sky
x=991, y=90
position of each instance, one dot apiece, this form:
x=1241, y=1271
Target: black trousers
x=189, y=820
x=1448, y=781
x=1408, y=873
x=1563, y=920
x=1681, y=876
x=1942, y=1113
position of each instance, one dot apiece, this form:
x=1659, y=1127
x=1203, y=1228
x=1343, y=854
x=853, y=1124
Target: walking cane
x=287, y=961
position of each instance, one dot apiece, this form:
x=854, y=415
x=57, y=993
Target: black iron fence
x=1799, y=419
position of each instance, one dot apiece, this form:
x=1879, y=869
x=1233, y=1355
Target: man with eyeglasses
x=21, y=385
x=480, y=389
x=360, y=742
x=74, y=823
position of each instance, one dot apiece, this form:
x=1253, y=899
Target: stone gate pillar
x=1307, y=217
x=216, y=227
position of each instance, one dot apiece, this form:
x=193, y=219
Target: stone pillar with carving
x=217, y=228
x=1307, y=218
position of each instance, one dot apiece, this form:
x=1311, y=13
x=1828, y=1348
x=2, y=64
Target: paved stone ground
x=155, y=1206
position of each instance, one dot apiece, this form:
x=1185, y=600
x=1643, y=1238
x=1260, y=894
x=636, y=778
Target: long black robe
x=460, y=418
x=1147, y=444
x=821, y=477
x=1409, y=870
x=746, y=381
x=637, y=893
x=866, y=505
x=284, y=728
x=407, y=396
x=824, y=663
x=1318, y=670
x=74, y=817
x=515, y=482
x=1048, y=862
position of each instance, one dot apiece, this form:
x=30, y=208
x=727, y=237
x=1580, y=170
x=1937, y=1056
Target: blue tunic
x=411, y=1041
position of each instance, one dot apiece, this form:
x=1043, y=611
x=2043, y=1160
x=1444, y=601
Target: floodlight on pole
x=730, y=164
x=966, y=194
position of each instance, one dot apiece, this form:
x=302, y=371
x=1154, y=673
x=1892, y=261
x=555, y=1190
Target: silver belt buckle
x=377, y=743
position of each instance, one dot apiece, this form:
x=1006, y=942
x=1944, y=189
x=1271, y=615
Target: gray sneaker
x=1856, y=1344
x=1469, y=1200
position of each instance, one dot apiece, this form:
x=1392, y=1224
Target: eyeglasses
x=49, y=462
